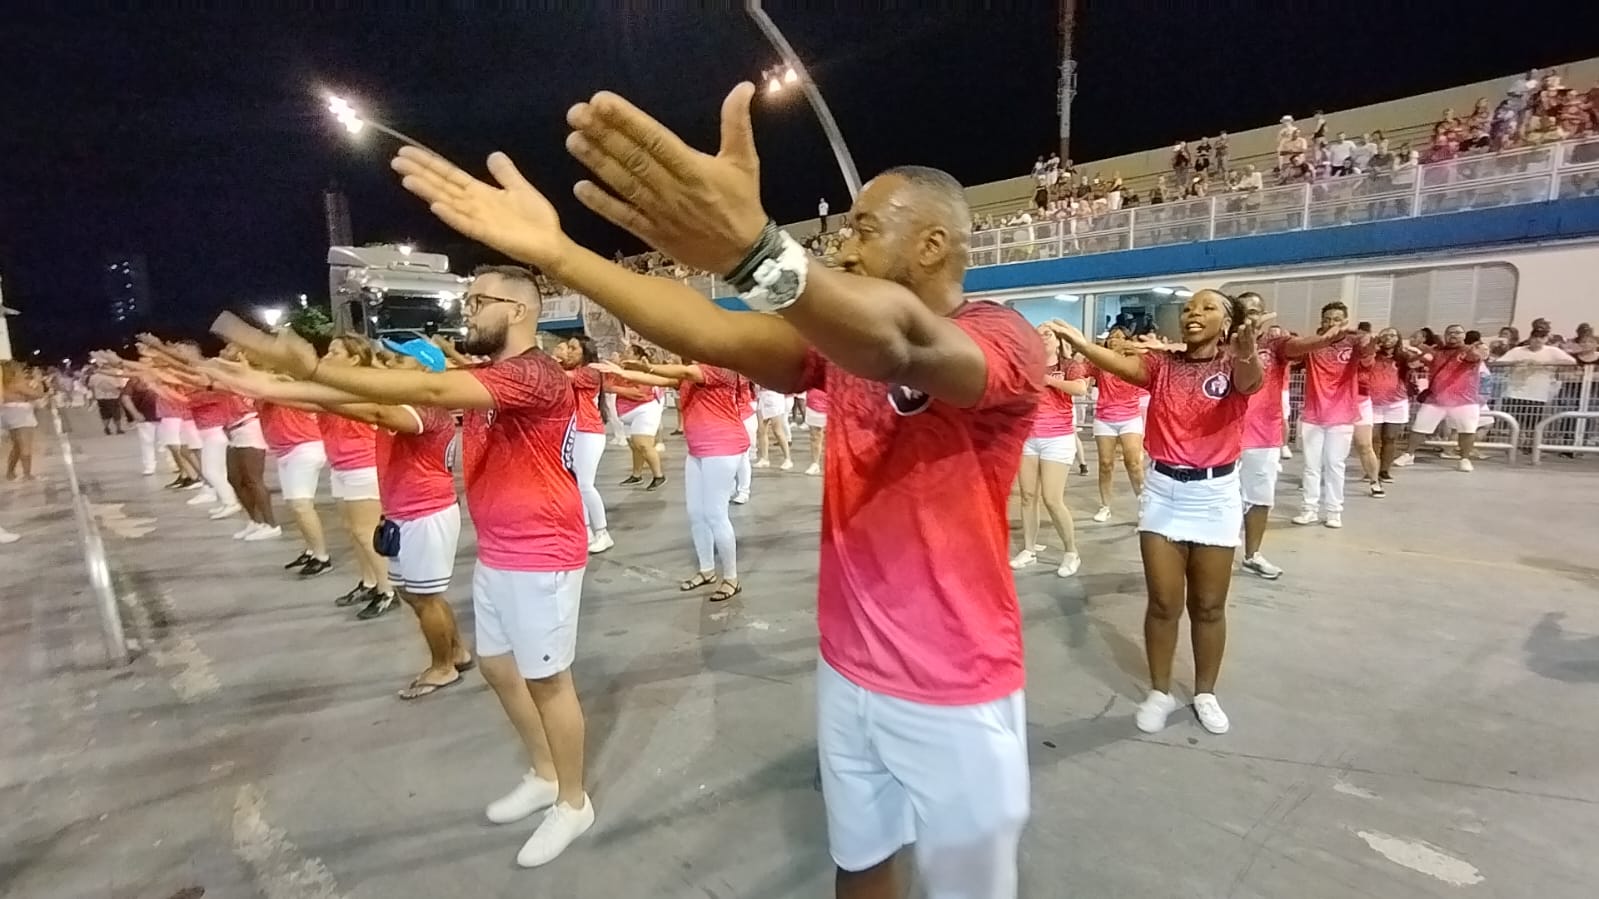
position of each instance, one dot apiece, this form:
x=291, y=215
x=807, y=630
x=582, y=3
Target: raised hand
x=1066, y=332
x=283, y=351
x=1246, y=337
x=702, y=210
x=513, y=218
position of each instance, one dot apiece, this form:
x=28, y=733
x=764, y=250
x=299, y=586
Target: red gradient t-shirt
x=414, y=480
x=1196, y=415
x=518, y=462
x=1118, y=400
x=713, y=413
x=1263, y=423
x=216, y=408
x=1453, y=377
x=171, y=405
x=1332, y=384
x=626, y=404
x=816, y=401
x=915, y=597
x=586, y=399
x=1054, y=416
x=285, y=427
x=1385, y=383
x=351, y=445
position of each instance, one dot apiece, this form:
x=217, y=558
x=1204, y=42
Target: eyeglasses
x=473, y=303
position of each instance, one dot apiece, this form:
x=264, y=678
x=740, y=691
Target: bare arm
x=452, y=389
x=1077, y=387
x=399, y=419
x=639, y=377
x=1304, y=345
x=675, y=373
x=1129, y=368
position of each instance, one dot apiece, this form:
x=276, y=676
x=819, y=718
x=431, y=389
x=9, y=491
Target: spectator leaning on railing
x=1532, y=379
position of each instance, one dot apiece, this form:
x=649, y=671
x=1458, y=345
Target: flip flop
x=726, y=592
x=417, y=689
x=696, y=582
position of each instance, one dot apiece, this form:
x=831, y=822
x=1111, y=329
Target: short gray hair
x=941, y=187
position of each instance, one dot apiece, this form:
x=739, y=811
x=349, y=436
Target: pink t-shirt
x=1118, y=400
x=1054, y=417
x=1196, y=416
x=217, y=408
x=626, y=404
x=915, y=597
x=816, y=401
x=285, y=427
x=586, y=397
x=351, y=445
x=414, y=480
x=713, y=413
x=1453, y=377
x=171, y=406
x=518, y=461
x=1263, y=423
x=1332, y=384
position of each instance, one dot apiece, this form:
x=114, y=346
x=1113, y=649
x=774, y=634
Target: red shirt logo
x=1217, y=386
x=908, y=401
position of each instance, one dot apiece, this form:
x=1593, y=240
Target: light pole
x=795, y=72
x=354, y=122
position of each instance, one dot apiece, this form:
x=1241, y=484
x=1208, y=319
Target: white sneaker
x=531, y=794
x=1404, y=460
x=1258, y=564
x=788, y=465
x=264, y=532
x=1023, y=559
x=619, y=441
x=1069, y=565
x=1287, y=453
x=9, y=536
x=601, y=542
x=1153, y=711
x=741, y=498
x=247, y=530
x=148, y=472
x=1039, y=547
x=196, y=486
x=761, y=463
x=1334, y=520
x=562, y=824
x=814, y=471
x=221, y=512
x=1307, y=516
x=660, y=447
x=1463, y=465
x=1103, y=514
x=203, y=498
x=1210, y=714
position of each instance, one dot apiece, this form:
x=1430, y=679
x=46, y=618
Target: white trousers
x=586, y=451
x=214, y=465
x=146, y=431
x=613, y=421
x=707, y=488
x=745, y=476
x=1326, y=452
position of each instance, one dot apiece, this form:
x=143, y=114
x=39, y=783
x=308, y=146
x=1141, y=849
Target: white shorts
x=530, y=614
x=427, y=552
x=354, y=484
x=1062, y=449
x=643, y=421
x=169, y=432
x=1208, y=512
x=1257, y=475
x=1461, y=418
x=814, y=419
x=300, y=468
x=1365, y=412
x=247, y=435
x=17, y=415
x=1392, y=413
x=952, y=779
x=772, y=404
x=1103, y=428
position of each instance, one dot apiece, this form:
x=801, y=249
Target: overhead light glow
x=405, y=249
x=774, y=85
x=271, y=316
x=1183, y=292
x=1163, y=291
x=790, y=76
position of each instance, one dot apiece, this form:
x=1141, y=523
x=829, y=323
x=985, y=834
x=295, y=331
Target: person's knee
x=1107, y=463
x=551, y=687
x=1164, y=610
x=1207, y=609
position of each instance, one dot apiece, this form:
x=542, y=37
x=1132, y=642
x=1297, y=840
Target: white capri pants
x=643, y=421
x=708, y=485
x=745, y=476
x=1461, y=418
x=214, y=465
x=530, y=614
x=586, y=452
x=299, y=469
x=146, y=431
x=1209, y=511
x=951, y=779
x=1257, y=475
x=427, y=552
x=1326, y=451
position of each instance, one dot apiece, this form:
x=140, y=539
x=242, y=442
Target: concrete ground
x=1412, y=711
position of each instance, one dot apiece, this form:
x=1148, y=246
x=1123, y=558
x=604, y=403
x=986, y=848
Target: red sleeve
x=433, y=418
x=585, y=377
x=1011, y=348
x=715, y=376
x=1154, y=366
x=1078, y=370
x=529, y=381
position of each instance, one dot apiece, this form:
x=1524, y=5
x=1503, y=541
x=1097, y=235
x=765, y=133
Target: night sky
x=201, y=140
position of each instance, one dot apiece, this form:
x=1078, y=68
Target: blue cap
x=431, y=357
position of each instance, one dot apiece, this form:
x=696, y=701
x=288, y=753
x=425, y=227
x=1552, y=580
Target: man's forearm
x=867, y=326
x=453, y=389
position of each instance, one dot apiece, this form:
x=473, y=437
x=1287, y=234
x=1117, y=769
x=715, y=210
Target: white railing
x=1482, y=181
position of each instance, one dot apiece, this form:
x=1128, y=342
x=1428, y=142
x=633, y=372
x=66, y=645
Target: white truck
x=392, y=290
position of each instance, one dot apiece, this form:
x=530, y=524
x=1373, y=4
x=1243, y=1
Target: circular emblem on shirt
x=908, y=401
x=1217, y=385
x=1344, y=353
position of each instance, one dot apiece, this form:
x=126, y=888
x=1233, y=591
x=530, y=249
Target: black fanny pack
x=386, y=539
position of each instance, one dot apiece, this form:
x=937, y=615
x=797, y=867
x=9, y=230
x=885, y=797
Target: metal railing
x=94, y=558
x=1481, y=181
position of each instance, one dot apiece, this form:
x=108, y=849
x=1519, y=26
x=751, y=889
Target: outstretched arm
x=648, y=379
x=1129, y=368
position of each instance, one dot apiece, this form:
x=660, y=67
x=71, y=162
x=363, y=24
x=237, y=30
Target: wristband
x=767, y=245
x=779, y=280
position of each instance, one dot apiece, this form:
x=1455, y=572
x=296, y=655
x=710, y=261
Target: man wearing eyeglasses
x=524, y=501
